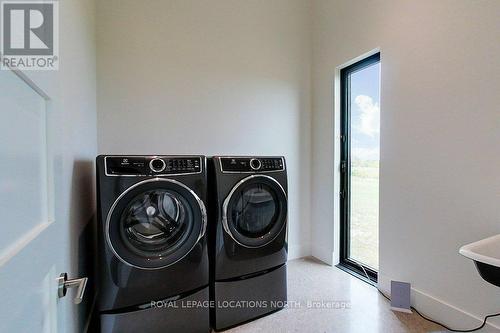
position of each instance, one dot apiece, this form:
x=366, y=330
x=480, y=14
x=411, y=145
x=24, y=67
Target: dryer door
x=255, y=211
x=155, y=223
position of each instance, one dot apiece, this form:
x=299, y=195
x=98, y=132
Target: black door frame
x=358, y=269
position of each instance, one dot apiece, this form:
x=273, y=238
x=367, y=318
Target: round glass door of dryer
x=254, y=213
x=155, y=223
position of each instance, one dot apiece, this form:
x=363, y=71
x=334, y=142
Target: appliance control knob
x=157, y=165
x=255, y=164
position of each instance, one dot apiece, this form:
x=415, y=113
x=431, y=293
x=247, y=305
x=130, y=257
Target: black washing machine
x=248, y=238
x=153, y=256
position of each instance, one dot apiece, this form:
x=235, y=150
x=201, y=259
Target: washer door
x=254, y=212
x=155, y=223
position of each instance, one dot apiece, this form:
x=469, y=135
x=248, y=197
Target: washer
x=152, y=244
x=248, y=238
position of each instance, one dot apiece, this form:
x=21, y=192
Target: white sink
x=486, y=256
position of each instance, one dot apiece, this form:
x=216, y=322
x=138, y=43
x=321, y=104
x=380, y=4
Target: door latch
x=343, y=166
x=63, y=284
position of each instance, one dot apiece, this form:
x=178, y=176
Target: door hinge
x=342, y=194
x=342, y=137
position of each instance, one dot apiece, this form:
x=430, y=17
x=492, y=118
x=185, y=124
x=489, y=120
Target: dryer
x=248, y=238
x=152, y=244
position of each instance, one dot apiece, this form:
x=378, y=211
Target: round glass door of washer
x=155, y=223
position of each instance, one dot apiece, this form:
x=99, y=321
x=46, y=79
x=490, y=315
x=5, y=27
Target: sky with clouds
x=365, y=113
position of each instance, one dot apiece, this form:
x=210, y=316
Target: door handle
x=63, y=284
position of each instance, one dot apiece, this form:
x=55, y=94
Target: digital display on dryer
x=235, y=164
x=251, y=164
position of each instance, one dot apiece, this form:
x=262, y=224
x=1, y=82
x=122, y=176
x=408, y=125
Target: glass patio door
x=360, y=156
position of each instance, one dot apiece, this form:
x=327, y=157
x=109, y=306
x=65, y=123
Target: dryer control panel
x=152, y=165
x=251, y=164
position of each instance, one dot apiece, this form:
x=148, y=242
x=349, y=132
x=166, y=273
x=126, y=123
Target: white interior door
x=33, y=241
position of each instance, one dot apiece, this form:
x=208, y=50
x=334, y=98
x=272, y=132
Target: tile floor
x=367, y=310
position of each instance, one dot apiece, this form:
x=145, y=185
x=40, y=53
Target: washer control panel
x=251, y=164
x=152, y=165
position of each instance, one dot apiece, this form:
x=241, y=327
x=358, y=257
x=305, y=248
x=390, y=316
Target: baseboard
x=318, y=259
x=439, y=310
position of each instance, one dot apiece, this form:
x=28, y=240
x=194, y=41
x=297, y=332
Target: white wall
x=209, y=77
x=440, y=136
